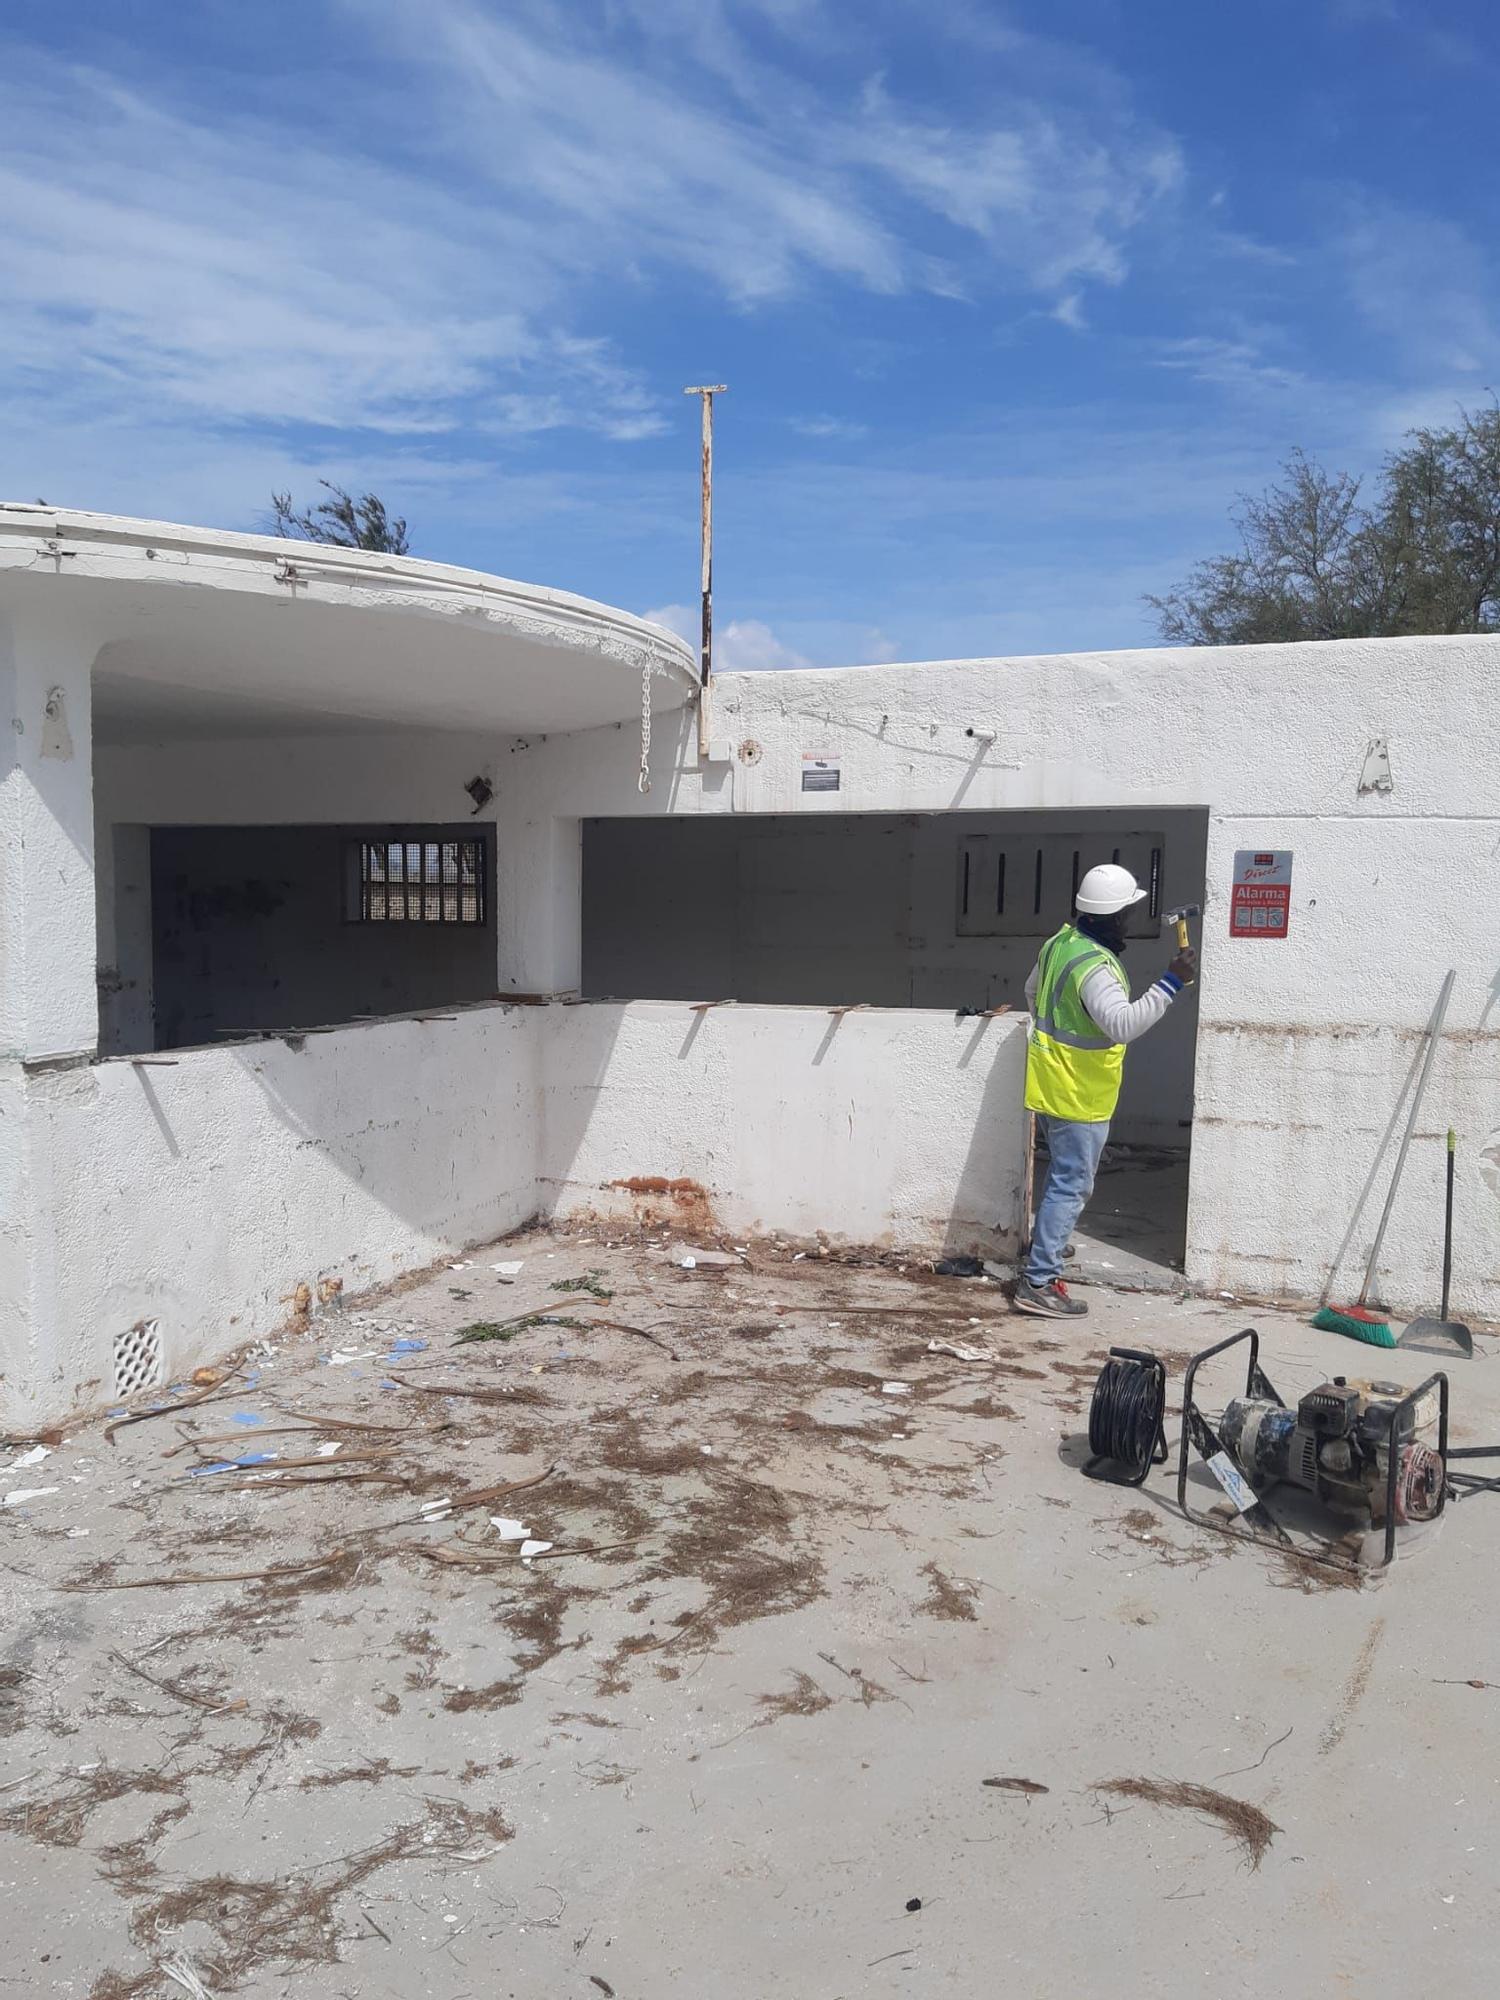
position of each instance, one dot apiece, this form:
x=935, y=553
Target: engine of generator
x=1337, y=1445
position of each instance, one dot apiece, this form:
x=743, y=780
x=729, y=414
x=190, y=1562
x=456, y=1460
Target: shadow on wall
x=986, y=1218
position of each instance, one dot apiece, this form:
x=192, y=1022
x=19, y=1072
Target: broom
x=1360, y=1321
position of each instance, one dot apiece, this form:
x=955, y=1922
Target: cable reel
x=1127, y=1417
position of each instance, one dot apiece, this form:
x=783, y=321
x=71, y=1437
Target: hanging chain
x=643, y=782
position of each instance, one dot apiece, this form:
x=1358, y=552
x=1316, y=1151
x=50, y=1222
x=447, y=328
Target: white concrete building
x=336, y=936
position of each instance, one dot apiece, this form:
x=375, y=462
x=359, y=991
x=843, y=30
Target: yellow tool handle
x=1182, y=934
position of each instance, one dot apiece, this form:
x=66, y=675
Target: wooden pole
x=707, y=390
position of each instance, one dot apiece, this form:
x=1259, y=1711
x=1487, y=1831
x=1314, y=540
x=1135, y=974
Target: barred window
x=398, y=880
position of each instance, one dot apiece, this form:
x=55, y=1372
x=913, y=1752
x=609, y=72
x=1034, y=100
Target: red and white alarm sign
x=1260, y=903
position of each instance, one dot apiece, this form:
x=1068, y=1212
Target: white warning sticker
x=1229, y=1476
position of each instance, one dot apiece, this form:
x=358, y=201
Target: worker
x=1082, y=1017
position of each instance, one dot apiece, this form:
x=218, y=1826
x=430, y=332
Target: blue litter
x=246, y=1417
x=251, y=1380
x=116, y=1413
x=232, y=1464
x=390, y=1385
x=408, y=1347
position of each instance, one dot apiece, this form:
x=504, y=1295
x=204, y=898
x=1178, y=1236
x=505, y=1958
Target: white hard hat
x=1106, y=889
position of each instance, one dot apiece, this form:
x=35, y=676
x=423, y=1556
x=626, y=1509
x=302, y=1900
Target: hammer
x=1180, y=916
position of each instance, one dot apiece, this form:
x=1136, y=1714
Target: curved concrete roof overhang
x=202, y=633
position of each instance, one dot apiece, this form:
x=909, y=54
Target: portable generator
x=1371, y=1452
x=1337, y=1445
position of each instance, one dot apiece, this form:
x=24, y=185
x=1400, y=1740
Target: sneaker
x=1051, y=1301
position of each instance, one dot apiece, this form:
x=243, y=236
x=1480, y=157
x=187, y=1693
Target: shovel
x=1442, y=1335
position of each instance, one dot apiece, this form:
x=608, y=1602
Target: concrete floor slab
x=742, y=1713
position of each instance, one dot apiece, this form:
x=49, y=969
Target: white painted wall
x=1389, y=890
x=367, y=1157
x=891, y=1128
x=47, y=995
x=201, y=1190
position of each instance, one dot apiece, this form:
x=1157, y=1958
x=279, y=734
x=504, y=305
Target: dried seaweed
x=179, y=1691
x=945, y=1599
x=522, y=1392
x=1247, y=1824
x=640, y=1332
x=62, y=1819
x=291, y=1920
x=220, y=1576
x=216, y=1393
x=804, y=1698
x=486, y=1496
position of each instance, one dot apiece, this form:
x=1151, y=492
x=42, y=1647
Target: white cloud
x=238, y=273
x=1242, y=363
x=770, y=184
x=742, y=646
x=833, y=430
x=220, y=268
x=595, y=393
x=1424, y=284
x=1069, y=312
x=1052, y=200
x=617, y=159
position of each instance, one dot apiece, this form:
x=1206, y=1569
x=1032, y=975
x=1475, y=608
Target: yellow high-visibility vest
x=1072, y=1071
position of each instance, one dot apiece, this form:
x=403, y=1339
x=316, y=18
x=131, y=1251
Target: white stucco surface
x=878, y=1127
x=47, y=997
x=158, y=676
x=1389, y=890
x=201, y=1190
x=200, y=631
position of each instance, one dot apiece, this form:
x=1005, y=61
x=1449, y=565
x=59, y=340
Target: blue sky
x=1012, y=301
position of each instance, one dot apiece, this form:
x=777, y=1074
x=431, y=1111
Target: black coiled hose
x=1126, y=1415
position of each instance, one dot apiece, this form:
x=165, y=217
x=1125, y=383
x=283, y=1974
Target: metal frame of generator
x=1298, y=1454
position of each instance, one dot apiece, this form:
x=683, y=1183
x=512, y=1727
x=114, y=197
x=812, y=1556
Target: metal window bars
x=421, y=881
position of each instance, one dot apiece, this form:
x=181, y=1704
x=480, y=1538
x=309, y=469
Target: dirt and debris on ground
x=563, y=1660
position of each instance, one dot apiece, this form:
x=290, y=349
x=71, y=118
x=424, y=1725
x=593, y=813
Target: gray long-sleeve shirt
x=1111, y=1010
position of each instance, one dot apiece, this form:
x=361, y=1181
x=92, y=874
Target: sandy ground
x=739, y=1718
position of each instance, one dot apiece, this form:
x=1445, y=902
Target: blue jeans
x=1073, y=1154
